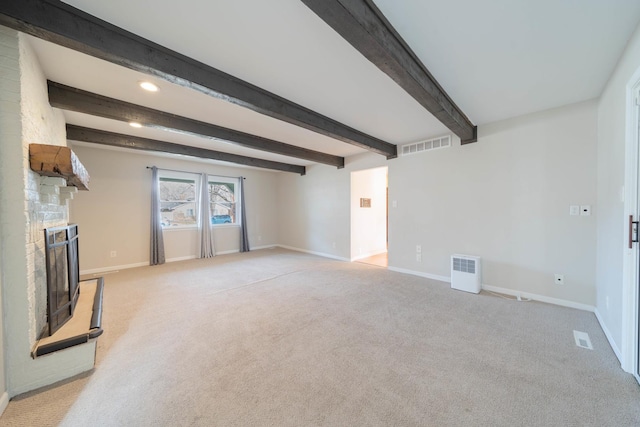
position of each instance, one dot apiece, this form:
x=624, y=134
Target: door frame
x=631, y=261
x=353, y=196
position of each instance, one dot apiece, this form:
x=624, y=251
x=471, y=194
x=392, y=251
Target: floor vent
x=582, y=339
x=429, y=144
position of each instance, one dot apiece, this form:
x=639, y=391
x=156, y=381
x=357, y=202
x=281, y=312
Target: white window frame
x=165, y=174
x=236, y=192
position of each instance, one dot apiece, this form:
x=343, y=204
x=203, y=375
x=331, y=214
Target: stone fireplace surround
x=27, y=206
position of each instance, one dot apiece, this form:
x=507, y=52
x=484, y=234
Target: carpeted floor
x=279, y=338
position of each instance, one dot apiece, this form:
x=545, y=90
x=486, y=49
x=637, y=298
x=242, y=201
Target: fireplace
x=61, y=251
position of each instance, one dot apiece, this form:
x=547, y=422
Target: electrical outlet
x=574, y=210
x=418, y=249
x=585, y=210
x=559, y=279
x=419, y=257
x=114, y=254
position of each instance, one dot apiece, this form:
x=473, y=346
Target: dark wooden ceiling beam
x=95, y=136
x=364, y=26
x=67, y=26
x=72, y=99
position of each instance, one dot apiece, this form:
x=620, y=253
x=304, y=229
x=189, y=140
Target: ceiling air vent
x=429, y=144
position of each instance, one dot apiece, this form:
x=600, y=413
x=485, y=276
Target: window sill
x=186, y=228
x=194, y=227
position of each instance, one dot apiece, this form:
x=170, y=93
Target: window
x=179, y=207
x=223, y=199
x=177, y=201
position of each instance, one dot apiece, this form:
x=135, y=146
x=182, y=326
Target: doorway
x=369, y=216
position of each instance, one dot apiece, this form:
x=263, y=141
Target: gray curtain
x=157, y=242
x=206, y=237
x=244, y=240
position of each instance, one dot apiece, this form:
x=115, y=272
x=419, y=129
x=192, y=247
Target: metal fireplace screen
x=62, y=274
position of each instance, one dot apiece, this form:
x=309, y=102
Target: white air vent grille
x=430, y=144
x=466, y=273
x=464, y=265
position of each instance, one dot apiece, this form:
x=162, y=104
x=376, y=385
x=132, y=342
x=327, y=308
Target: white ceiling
x=496, y=59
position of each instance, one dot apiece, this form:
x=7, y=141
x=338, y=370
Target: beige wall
x=114, y=214
x=611, y=180
x=315, y=212
x=505, y=198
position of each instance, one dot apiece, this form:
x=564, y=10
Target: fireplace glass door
x=62, y=274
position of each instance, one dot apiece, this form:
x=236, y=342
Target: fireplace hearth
x=74, y=306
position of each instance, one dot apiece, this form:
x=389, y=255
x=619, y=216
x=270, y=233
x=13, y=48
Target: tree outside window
x=178, y=202
x=222, y=196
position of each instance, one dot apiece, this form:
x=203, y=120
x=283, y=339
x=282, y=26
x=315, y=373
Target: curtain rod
x=194, y=173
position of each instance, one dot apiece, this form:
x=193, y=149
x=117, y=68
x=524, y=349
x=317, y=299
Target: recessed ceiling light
x=135, y=125
x=149, y=86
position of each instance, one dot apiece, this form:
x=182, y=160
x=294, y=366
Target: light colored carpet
x=278, y=338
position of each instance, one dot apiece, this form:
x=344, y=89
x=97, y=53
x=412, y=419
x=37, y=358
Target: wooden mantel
x=58, y=161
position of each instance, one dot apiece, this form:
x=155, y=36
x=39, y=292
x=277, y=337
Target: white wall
x=4, y=396
x=368, y=225
x=114, y=214
x=611, y=250
x=11, y=135
x=505, y=198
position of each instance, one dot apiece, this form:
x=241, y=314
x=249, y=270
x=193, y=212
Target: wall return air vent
x=466, y=273
x=429, y=144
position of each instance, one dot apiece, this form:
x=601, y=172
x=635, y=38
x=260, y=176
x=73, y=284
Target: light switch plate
x=585, y=210
x=574, y=210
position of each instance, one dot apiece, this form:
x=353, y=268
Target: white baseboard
x=322, y=254
x=607, y=333
x=505, y=291
x=4, y=401
x=180, y=258
x=227, y=252
x=258, y=248
x=421, y=274
x=95, y=271
x=541, y=298
x=369, y=254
